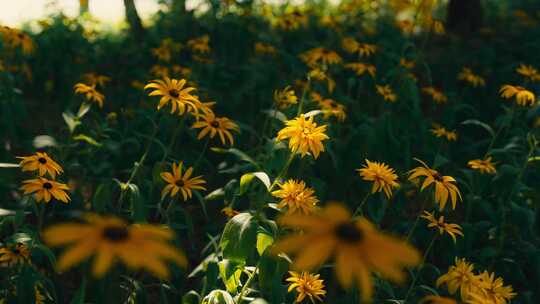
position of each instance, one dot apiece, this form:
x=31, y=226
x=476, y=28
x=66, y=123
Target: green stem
x=304, y=92
x=202, y=153
x=283, y=171
x=360, y=207
x=246, y=285
x=415, y=277
x=174, y=136
x=499, y=131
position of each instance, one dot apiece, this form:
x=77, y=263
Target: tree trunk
x=134, y=20
x=464, y=16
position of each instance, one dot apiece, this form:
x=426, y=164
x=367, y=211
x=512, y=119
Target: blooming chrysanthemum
x=357, y=246
x=386, y=92
x=109, y=239
x=176, y=92
x=440, y=131
x=493, y=289
x=296, y=197
x=529, y=72
x=183, y=183
x=445, y=186
x=212, y=125
x=483, y=165
x=361, y=68
x=435, y=94
x=40, y=162
x=306, y=285
x=90, y=93
x=304, y=136
x=451, y=229
x=522, y=95
x=468, y=76
x=383, y=177
x=285, y=98
x=459, y=276
x=14, y=254
x=45, y=189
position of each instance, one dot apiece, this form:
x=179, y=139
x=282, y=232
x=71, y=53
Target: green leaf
x=241, y=155
x=48, y=253
x=83, y=109
x=87, y=139
x=239, y=237
x=480, y=124
x=191, y=297
x=71, y=121
x=276, y=114
x=246, y=179
x=218, y=297
x=271, y=271
x=102, y=197
x=264, y=240
x=81, y=293
x=230, y=273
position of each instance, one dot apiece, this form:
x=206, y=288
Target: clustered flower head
x=383, y=177
x=305, y=137
x=306, y=285
x=296, y=197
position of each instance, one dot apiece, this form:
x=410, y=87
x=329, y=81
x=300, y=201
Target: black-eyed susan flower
x=306, y=285
x=433, y=299
x=330, y=107
x=285, y=98
x=349, y=44
x=445, y=186
x=305, y=137
x=529, y=72
x=200, y=44
x=357, y=246
x=440, y=131
x=459, y=277
x=90, y=93
x=109, y=239
x=386, y=92
x=383, y=177
x=468, y=76
x=320, y=55
x=361, y=68
x=320, y=75
x=14, y=254
x=181, y=183
x=40, y=162
x=212, y=125
x=176, y=92
x=292, y=20
x=366, y=49
x=522, y=95
x=451, y=229
x=95, y=79
x=435, y=94
x=265, y=49
x=492, y=289
x=407, y=64
x=483, y=165
x=296, y=197
x=45, y=189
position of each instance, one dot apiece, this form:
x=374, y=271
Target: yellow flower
x=213, y=125
x=263, y=48
x=306, y=285
x=40, y=162
x=181, y=71
x=356, y=244
x=386, y=92
x=483, y=165
x=229, y=212
x=14, y=254
x=183, y=183
x=95, y=79
x=39, y=297
x=435, y=94
x=200, y=44
x=109, y=239
x=361, y=68
x=529, y=72
x=285, y=98
x=90, y=93
x=304, y=136
x=383, y=177
x=523, y=96
x=408, y=64
x=320, y=55
x=366, y=50
x=291, y=20
x=440, y=131
x=451, y=229
x=459, y=276
x=330, y=107
x=467, y=75
x=296, y=197
x=176, y=92
x=444, y=185
x=321, y=75
x=493, y=289
x=14, y=38
x=432, y=299
x=45, y=189
x=159, y=71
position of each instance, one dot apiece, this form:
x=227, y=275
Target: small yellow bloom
x=176, y=92
x=329, y=107
x=435, y=94
x=306, y=285
x=440, y=131
x=361, y=68
x=296, y=197
x=304, y=136
x=386, y=92
x=366, y=49
x=357, y=246
x=40, y=162
x=14, y=254
x=320, y=55
x=229, y=212
x=483, y=165
x=408, y=64
x=529, y=72
x=95, y=79
x=285, y=98
x=212, y=125
x=45, y=189
x=445, y=186
x=468, y=76
x=459, y=276
x=523, y=96
x=263, y=49
x=200, y=44
x=183, y=183
x=383, y=177
x=110, y=239
x=90, y=93
x=451, y=229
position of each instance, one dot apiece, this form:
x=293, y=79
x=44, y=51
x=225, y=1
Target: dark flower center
x=42, y=160
x=214, y=124
x=438, y=177
x=348, y=232
x=47, y=185
x=180, y=183
x=116, y=233
x=16, y=251
x=174, y=93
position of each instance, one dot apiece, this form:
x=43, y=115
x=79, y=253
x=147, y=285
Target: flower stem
x=361, y=206
x=415, y=277
x=283, y=171
x=246, y=285
x=304, y=92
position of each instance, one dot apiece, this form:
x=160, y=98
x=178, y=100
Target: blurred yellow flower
x=296, y=197
x=530, y=72
x=522, y=95
x=357, y=246
x=285, y=98
x=176, y=92
x=320, y=55
x=229, y=212
x=109, y=239
x=366, y=49
x=440, y=131
x=212, y=125
x=468, y=76
x=264, y=48
x=40, y=162
x=459, y=276
x=44, y=189
x=14, y=254
x=386, y=92
x=360, y=68
x=451, y=229
x=383, y=177
x=435, y=94
x=492, y=289
x=90, y=93
x=181, y=183
x=304, y=136
x=200, y=44
x=95, y=79
x=408, y=64
x=306, y=285
x=483, y=165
